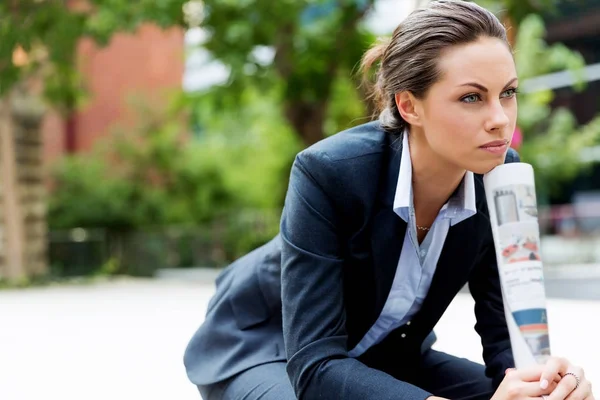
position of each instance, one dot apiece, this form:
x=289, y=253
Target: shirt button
x=403, y=335
x=409, y=322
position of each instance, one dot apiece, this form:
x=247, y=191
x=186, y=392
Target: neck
x=433, y=179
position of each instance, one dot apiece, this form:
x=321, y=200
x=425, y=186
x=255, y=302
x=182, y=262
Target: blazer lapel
x=388, y=229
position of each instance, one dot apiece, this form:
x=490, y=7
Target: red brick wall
x=148, y=63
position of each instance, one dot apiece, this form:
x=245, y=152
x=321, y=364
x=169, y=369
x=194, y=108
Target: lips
x=495, y=143
x=497, y=147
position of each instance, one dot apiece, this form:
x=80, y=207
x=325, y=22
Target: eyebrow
x=483, y=88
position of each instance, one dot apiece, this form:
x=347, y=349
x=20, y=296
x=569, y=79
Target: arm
x=312, y=296
x=491, y=326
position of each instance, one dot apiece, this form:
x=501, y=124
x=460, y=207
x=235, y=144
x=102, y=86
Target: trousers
x=439, y=373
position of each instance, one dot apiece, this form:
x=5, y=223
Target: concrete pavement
x=125, y=339
x=580, y=289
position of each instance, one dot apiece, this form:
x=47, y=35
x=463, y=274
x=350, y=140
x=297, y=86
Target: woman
x=383, y=224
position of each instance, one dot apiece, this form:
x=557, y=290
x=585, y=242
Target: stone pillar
x=11, y=245
x=23, y=229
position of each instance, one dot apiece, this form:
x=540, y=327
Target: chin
x=485, y=167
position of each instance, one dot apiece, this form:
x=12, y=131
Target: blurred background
x=144, y=145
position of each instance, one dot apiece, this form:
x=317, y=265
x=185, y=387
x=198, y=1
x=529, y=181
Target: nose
x=497, y=119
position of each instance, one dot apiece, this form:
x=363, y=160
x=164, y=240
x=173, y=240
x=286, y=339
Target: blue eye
x=472, y=98
x=509, y=93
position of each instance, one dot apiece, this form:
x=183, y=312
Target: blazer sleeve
x=491, y=326
x=485, y=288
x=313, y=295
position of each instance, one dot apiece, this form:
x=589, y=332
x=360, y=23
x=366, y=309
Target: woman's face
x=468, y=117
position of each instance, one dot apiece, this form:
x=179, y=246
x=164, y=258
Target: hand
x=567, y=386
x=524, y=384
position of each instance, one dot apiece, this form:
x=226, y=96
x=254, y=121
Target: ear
x=407, y=106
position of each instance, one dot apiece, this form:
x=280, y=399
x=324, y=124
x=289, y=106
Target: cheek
x=451, y=127
x=513, y=112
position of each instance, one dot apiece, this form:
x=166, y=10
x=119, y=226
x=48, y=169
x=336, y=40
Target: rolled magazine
x=512, y=204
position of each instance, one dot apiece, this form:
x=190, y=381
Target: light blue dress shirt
x=417, y=263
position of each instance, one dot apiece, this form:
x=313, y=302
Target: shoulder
x=349, y=161
x=346, y=167
x=360, y=141
x=512, y=156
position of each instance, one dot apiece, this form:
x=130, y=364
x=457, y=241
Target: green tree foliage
x=314, y=42
x=156, y=175
x=518, y=10
x=553, y=140
x=138, y=178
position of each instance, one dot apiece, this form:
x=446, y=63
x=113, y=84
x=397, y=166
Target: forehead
x=487, y=61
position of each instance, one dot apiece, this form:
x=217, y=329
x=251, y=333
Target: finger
x=551, y=387
x=564, y=388
x=584, y=391
x=532, y=389
x=529, y=374
x=553, y=367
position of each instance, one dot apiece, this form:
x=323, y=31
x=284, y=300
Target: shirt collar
x=459, y=207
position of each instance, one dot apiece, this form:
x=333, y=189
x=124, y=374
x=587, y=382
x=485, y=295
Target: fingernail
x=544, y=384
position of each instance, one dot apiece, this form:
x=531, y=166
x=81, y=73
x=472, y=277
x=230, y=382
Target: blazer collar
x=393, y=152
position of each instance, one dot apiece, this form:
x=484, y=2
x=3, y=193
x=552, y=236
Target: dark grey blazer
x=333, y=263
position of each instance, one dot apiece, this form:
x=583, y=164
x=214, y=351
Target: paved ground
x=583, y=289
x=124, y=340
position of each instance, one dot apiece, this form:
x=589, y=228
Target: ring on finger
x=576, y=379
